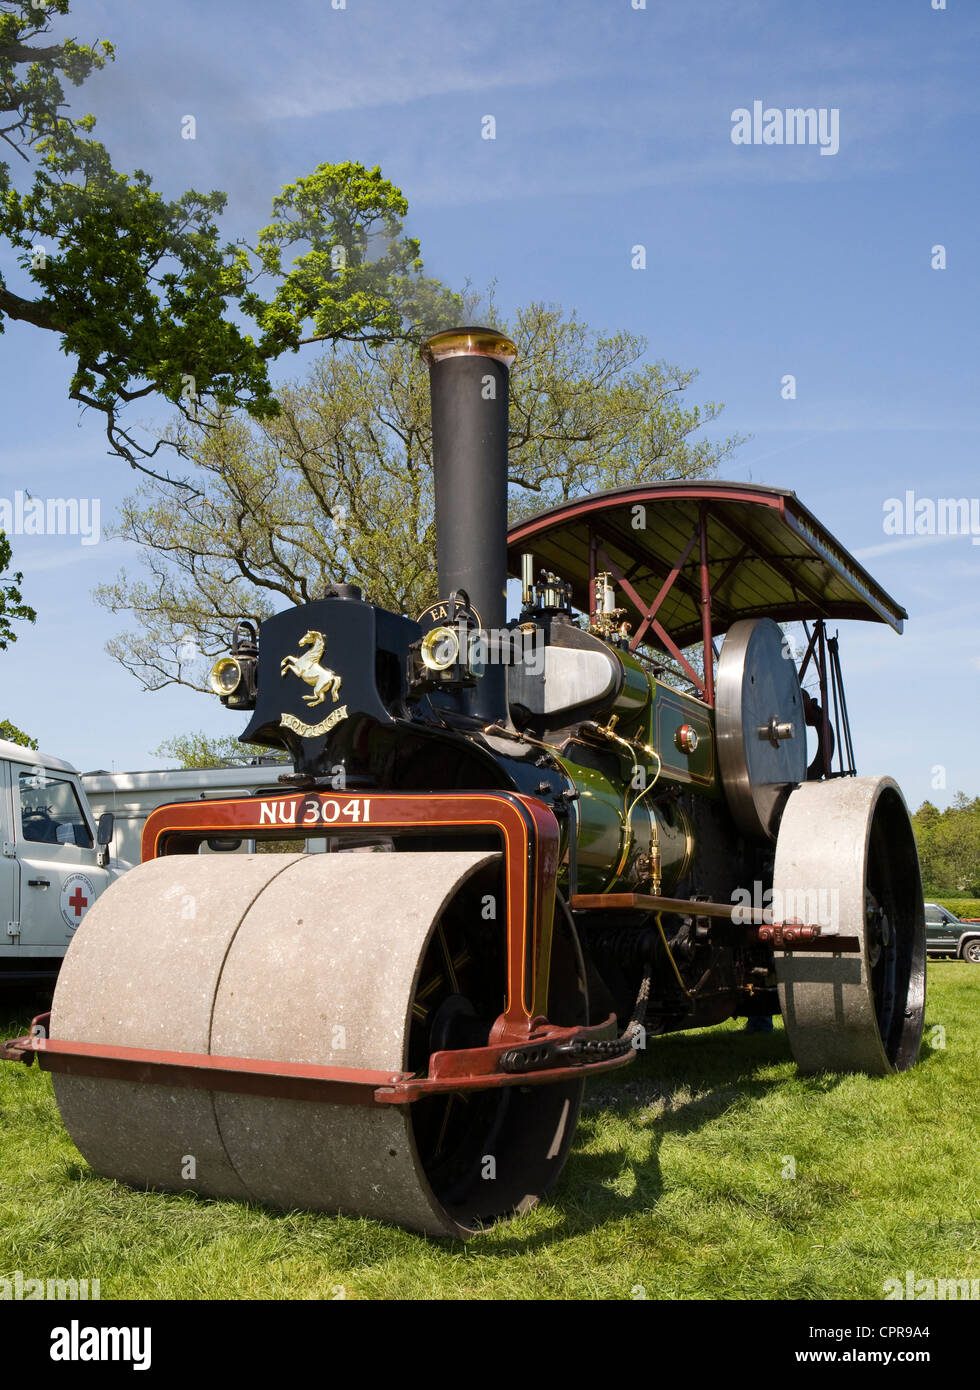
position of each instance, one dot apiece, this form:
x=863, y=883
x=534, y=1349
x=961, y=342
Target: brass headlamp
x=439, y=649
x=234, y=678
x=226, y=675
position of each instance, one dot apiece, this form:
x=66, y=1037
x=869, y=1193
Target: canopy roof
x=766, y=556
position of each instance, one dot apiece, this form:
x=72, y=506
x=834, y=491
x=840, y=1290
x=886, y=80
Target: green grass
x=675, y=1184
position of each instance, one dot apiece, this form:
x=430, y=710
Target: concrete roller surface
x=846, y=858
x=301, y=958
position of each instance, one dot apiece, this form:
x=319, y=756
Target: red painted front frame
x=531, y=841
x=528, y=828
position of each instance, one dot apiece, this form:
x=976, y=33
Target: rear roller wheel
x=846, y=859
x=361, y=961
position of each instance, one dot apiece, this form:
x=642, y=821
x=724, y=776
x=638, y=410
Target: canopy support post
x=821, y=633
x=709, y=666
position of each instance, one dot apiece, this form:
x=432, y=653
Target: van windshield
x=50, y=812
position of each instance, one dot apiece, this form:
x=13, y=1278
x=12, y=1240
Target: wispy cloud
x=897, y=543
x=397, y=78
x=65, y=552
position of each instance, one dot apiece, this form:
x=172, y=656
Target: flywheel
x=759, y=725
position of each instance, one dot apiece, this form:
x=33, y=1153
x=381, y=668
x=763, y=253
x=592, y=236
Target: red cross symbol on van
x=78, y=893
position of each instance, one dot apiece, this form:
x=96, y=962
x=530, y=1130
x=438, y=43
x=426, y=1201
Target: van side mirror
x=103, y=835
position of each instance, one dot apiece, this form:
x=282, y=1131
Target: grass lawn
x=675, y=1188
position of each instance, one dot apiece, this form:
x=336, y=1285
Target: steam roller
x=507, y=855
x=288, y=964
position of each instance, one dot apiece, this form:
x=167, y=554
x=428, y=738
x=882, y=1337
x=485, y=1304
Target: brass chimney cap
x=468, y=342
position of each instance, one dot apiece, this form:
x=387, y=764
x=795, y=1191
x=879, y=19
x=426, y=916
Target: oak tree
x=338, y=485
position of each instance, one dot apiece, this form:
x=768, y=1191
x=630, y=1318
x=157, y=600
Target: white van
x=67, y=837
x=54, y=865
x=130, y=797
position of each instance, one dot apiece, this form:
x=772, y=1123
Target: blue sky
x=613, y=128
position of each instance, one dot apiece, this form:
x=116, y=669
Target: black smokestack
x=469, y=371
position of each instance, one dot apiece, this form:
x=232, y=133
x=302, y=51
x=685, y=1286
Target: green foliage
x=201, y=750
x=33, y=100
x=139, y=288
x=12, y=607
x=949, y=848
x=588, y=413
x=338, y=486
x=359, y=279
x=12, y=734
x=964, y=908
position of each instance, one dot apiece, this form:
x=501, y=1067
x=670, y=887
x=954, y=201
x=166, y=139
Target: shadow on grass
x=928, y=1050
x=722, y=1067
x=77, y=1170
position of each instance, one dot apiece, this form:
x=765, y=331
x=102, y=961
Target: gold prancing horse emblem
x=307, y=666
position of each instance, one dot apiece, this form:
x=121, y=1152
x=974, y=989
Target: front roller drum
x=846, y=860
x=359, y=960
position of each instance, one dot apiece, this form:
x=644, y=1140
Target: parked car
x=947, y=935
